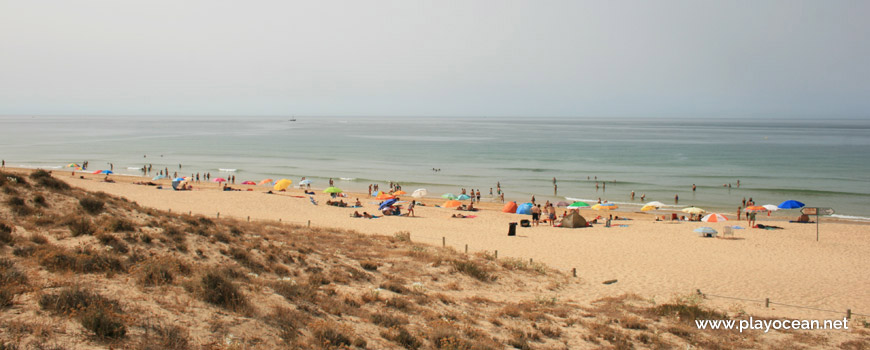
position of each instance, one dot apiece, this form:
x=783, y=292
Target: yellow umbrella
x=451, y=204
x=282, y=184
x=694, y=210
x=648, y=208
x=605, y=206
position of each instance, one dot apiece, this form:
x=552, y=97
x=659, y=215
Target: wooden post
x=170, y=210
x=574, y=271
x=466, y=249
x=279, y=219
x=848, y=314
x=530, y=261
x=443, y=242
x=249, y=219
x=219, y=215
x=190, y=212
x=766, y=302
x=309, y=223
x=496, y=254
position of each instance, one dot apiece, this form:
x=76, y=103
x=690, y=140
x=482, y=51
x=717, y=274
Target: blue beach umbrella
x=178, y=179
x=705, y=230
x=107, y=172
x=158, y=177
x=387, y=203
x=791, y=204
x=525, y=208
x=462, y=197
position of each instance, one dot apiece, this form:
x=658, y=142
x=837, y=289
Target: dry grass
x=269, y=286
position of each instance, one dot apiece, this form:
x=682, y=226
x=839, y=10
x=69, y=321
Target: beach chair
x=727, y=232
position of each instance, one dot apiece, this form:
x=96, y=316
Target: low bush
x=44, y=179
x=5, y=233
x=81, y=227
x=218, y=290
x=473, y=270
x=92, y=206
x=96, y=313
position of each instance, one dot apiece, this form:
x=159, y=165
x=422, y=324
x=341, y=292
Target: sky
x=696, y=59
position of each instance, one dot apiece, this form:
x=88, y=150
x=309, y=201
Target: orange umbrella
x=398, y=193
x=384, y=195
x=755, y=209
x=265, y=181
x=451, y=204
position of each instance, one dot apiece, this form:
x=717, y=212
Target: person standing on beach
x=552, y=211
x=739, y=210
x=533, y=199
x=596, y=185
x=694, y=187
x=555, y=189
x=4, y=165
x=478, y=195
x=501, y=196
x=411, y=207
x=330, y=182
x=738, y=183
x=632, y=195
x=676, y=198
x=751, y=218
x=554, y=180
x=536, y=214
x=490, y=191
x=370, y=190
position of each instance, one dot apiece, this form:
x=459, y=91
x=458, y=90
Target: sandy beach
x=656, y=260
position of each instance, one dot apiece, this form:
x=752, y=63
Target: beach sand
x=656, y=260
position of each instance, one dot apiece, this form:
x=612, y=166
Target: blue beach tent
x=525, y=208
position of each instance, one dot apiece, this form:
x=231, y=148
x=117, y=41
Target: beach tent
x=510, y=207
x=574, y=220
x=282, y=184
x=525, y=208
x=420, y=193
x=451, y=204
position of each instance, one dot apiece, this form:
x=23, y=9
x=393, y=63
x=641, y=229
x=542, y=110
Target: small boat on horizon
x=292, y=119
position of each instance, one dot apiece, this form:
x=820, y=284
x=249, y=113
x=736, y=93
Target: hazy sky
x=688, y=58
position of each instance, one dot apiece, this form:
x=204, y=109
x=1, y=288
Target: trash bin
x=512, y=229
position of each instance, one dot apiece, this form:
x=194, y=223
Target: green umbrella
x=332, y=190
x=448, y=196
x=578, y=205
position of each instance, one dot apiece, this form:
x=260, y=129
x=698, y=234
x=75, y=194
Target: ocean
x=824, y=163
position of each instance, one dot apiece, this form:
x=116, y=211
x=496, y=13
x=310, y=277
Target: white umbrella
x=694, y=210
x=655, y=204
x=420, y=193
x=770, y=207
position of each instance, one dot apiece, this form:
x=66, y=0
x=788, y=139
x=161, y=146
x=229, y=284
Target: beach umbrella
x=177, y=182
x=219, y=179
x=249, y=183
x=451, y=204
x=178, y=179
x=73, y=165
x=384, y=195
x=648, y=208
x=770, y=207
x=605, y=206
x=332, y=190
x=387, y=203
x=525, y=208
x=462, y=197
x=282, y=184
x=714, y=218
x=399, y=193
x=655, y=204
x=755, y=209
x=305, y=182
x=448, y=196
x=420, y=193
x=158, y=177
x=704, y=231
x=791, y=204
x=266, y=181
x=693, y=210
x=563, y=204
x=96, y=172
x=578, y=205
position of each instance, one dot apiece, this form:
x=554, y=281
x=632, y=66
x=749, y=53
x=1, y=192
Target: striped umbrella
x=714, y=218
x=755, y=209
x=605, y=206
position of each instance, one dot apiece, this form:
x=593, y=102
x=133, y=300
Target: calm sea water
x=821, y=163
